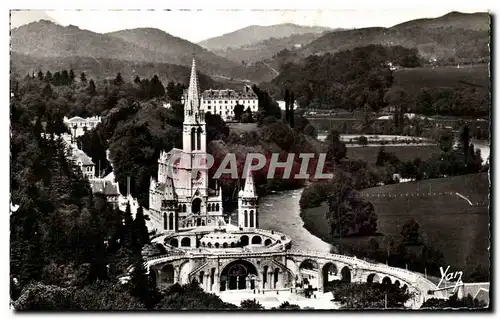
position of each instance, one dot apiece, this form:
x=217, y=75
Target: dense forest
x=364, y=79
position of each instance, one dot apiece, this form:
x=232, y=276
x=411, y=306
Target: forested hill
x=255, y=33
x=363, y=79
x=45, y=39
x=452, y=38
x=349, y=79
x=102, y=68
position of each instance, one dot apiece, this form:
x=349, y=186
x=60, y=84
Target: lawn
x=404, y=153
x=242, y=127
x=447, y=221
x=412, y=80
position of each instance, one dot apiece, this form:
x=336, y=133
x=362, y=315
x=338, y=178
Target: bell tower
x=247, y=205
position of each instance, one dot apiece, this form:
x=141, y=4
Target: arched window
x=193, y=133
x=246, y=218
x=251, y=219
x=165, y=220
x=171, y=221
x=209, y=207
x=217, y=207
x=198, y=139
x=184, y=208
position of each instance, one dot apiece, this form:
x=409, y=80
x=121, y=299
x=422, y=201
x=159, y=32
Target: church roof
x=106, y=187
x=247, y=93
x=84, y=158
x=249, y=189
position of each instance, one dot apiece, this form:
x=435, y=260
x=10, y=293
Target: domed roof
x=219, y=239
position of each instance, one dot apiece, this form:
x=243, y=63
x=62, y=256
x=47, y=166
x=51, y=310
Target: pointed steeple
x=169, y=192
x=193, y=98
x=249, y=189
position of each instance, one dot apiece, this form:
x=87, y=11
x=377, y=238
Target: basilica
x=179, y=197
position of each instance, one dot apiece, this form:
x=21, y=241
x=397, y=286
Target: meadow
x=404, y=153
x=447, y=222
x=412, y=80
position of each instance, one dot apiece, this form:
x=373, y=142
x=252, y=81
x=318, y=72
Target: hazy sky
x=202, y=24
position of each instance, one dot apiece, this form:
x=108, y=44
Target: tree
x=40, y=75
x=71, y=76
x=249, y=304
x=410, y=233
x=48, y=76
x=445, y=141
x=247, y=116
x=336, y=149
x=156, y=87
x=464, y=141
x=118, y=79
x=91, y=88
x=238, y=111
x=137, y=80
x=362, y=140
x=65, y=80
x=47, y=91
x=142, y=286
x=140, y=226
x=83, y=77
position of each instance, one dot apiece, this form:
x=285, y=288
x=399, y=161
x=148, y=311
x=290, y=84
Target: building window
x=198, y=139
x=225, y=102
x=209, y=107
x=193, y=133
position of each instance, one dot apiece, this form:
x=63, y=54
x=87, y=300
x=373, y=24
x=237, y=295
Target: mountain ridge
x=256, y=33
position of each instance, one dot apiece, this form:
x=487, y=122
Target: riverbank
x=456, y=227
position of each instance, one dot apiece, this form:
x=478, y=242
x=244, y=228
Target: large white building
x=78, y=126
x=222, y=102
x=180, y=198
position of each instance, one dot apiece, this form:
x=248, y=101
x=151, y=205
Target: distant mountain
x=455, y=36
x=268, y=48
x=100, y=69
x=22, y=17
x=46, y=39
x=175, y=50
x=254, y=34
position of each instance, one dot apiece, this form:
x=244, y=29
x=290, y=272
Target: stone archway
x=387, y=281
x=397, y=284
x=167, y=274
x=346, y=274
x=329, y=272
x=244, y=240
x=238, y=275
x=372, y=278
x=186, y=242
x=256, y=240
x=309, y=273
x=196, y=206
x=174, y=242
x=267, y=242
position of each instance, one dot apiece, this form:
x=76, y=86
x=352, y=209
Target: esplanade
x=227, y=257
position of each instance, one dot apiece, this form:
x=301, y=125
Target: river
x=281, y=212
x=483, y=145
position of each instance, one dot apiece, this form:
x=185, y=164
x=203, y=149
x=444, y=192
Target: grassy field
x=242, y=127
x=414, y=79
x=447, y=222
x=404, y=153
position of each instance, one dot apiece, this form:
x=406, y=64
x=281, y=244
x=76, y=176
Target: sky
x=197, y=25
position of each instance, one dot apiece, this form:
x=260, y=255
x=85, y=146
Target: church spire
x=193, y=98
x=249, y=189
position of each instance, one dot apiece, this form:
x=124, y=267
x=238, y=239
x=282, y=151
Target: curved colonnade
x=258, y=267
